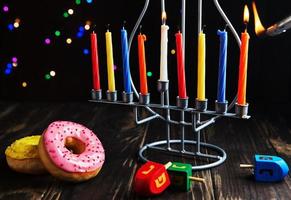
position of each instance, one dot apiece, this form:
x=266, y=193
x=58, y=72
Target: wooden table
x=122, y=138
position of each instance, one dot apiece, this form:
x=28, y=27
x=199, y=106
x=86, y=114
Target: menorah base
x=163, y=147
x=96, y=94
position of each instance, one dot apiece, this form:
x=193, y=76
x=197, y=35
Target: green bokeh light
x=57, y=33
x=47, y=77
x=149, y=74
x=78, y=2
x=66, y=14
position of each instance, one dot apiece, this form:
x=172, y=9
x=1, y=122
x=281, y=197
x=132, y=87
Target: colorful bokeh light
x=149, y=74
x=69, y=41
x=66, y=14
x=10, y=27
x=57, y=33
x=5, y=8
x=173, y=51
x=47, y=41
x=89, y=1
x=86, y=51
x=24, y=84
x=78, y=2
x=52, y=73
x=70, y=11
x=47, y=77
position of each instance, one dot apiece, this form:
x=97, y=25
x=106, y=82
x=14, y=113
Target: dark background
x=269, y=58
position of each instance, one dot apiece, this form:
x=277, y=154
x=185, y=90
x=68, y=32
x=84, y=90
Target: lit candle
x=201, y=67
x=125, y=59
x=110, y=63
x=142, y=64
x=243, y=64
x=180, y=66
x=164, y=53
x=222, y=66
x=95, y=61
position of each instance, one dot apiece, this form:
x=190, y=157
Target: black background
x=269, y=58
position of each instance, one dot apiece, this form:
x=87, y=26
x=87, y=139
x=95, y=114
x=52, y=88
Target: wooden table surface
x=122, y=138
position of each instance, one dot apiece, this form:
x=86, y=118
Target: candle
x=222, y=66
x=142, y=64
x=243, y=63
x=164, y=53
x=201, y=67
x=180, y=66
x=125, y=59
x=95, y=62
x=110, y=64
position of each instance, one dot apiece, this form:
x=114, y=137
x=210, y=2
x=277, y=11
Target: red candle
x=243, y=62
x=95, y=62
x=180, y=66
x=142, y=65
x=243, y=65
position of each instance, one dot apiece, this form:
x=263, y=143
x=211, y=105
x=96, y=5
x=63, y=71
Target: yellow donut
x=22, y=155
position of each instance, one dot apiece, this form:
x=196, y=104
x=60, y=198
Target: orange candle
x=142, y=64
x=243, y=64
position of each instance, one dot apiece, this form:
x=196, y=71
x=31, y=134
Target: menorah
x=176, y=146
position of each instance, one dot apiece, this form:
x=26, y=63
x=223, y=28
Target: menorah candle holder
x=242, y=110
x=127, y=97
x=212, y=155
x=111, y=96
x=221, y=107
x=96, y=94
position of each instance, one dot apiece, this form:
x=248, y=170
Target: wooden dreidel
x=181, y=176
x=151, y=179
x=268, y=168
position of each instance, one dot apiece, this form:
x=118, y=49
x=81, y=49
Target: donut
x=70, y=151
x=22, y=156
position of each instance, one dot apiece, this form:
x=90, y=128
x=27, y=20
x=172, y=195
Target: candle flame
x=164, y=17
x=259, y=28
x=246, y=14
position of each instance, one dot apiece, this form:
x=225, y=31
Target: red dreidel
x=181, y=176
x=151, y=179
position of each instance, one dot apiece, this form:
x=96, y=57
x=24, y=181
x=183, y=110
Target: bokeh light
x=173, y=51
x=78, y=2
x=52, y=73
x=9, y=66
x=47, y=77
x=10, y=27
x=57, y=33
x=5, y=8
x=14, y=64
x=70, y=11
x=80, y=34
x=81, y=29
x=24, y=84
x=47, y=41
x=87, y=27
x=14, y=59
x=66, y=14
x=69, y=41
x=86, y=51
x=7, y=71
x=89, y=1
x=16, y=24
x=149, y=74
x=115, y=67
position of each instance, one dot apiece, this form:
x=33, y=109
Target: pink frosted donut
x=71, y=151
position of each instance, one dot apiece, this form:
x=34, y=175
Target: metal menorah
x=177, y=146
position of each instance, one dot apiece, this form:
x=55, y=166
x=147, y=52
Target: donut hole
x=75, y=145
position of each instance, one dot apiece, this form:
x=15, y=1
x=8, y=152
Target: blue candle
x=125, y=59
x=222, y=66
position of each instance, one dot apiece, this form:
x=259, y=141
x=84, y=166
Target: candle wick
x=108, y=26
x=226, y=25
x=124, y=23
x=246, y=26
x=140, y=28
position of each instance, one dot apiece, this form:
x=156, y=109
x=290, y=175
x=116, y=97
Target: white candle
x=164, y=53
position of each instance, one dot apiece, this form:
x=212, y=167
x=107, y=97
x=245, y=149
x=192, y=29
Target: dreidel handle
x=246, y=166
x=198, y=179
x=168, y=164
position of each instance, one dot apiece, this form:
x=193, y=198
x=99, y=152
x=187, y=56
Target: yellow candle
x=110, y=63
x=201, y=67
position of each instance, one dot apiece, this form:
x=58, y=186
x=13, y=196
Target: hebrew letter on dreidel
x=149, y=170
x=161, y=180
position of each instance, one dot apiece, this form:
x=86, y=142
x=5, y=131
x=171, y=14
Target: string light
x=52, y=73
x=71, y=11
x=87, y=27
x=149, y=74
x=86, y=51
x=57, y=33
x=24, y=84
x=5, y=8
x=47, y=41
x=69, y=41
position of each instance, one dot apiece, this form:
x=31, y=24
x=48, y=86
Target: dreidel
x=151, y=179
x=181, y=176
x=268, y=168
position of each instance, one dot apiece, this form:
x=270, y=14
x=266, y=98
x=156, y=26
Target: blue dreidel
x=268, y=168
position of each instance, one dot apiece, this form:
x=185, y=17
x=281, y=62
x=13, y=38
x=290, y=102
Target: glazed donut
x=22, y=156
x=70, y=151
